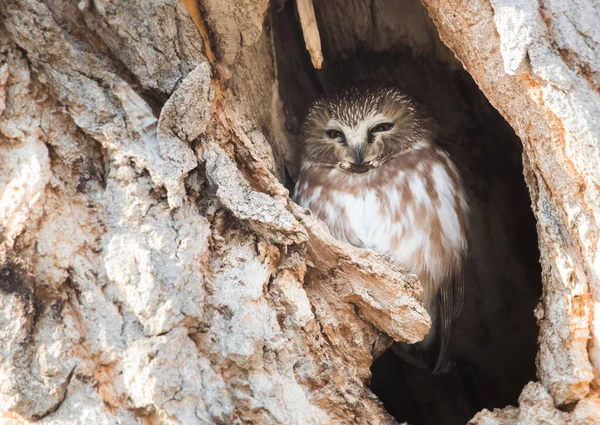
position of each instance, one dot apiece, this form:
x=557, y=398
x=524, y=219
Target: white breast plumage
x=412, y=209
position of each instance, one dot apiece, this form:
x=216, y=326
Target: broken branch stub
x=385, y=295
x=310, y=30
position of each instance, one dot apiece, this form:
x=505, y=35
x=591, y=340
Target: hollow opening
x=494, y=340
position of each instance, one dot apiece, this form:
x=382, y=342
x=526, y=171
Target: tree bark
x=537, y=64
x=153, y=268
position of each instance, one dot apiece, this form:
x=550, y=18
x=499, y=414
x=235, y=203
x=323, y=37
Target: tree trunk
x=153, y=268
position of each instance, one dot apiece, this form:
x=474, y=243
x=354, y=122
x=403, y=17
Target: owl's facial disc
x=361, y=127
x=360, y=144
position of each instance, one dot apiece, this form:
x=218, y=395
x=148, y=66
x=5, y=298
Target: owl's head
x=357, y=127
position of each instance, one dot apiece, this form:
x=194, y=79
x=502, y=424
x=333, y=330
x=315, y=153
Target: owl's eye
x=386, y=126
x=335, y=134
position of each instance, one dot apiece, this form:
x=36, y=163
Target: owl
x=372, y=171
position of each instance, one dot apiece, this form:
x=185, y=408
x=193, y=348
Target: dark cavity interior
x=494, y=341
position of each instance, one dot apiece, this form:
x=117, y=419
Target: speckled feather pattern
x=411, y=207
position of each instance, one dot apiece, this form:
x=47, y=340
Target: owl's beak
x=358, y=156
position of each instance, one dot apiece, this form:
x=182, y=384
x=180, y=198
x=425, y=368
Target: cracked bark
x=154, y=269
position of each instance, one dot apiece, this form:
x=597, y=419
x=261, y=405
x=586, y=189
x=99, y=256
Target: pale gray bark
x=153, y=268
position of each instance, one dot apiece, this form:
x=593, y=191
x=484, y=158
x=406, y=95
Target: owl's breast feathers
x=412, y=208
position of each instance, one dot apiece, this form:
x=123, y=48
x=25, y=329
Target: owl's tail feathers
x=443, y=364
x=450, y=300
x=433, y=353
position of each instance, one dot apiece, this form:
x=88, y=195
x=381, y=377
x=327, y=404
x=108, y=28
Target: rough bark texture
x=538, y=65
x=152, y=267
